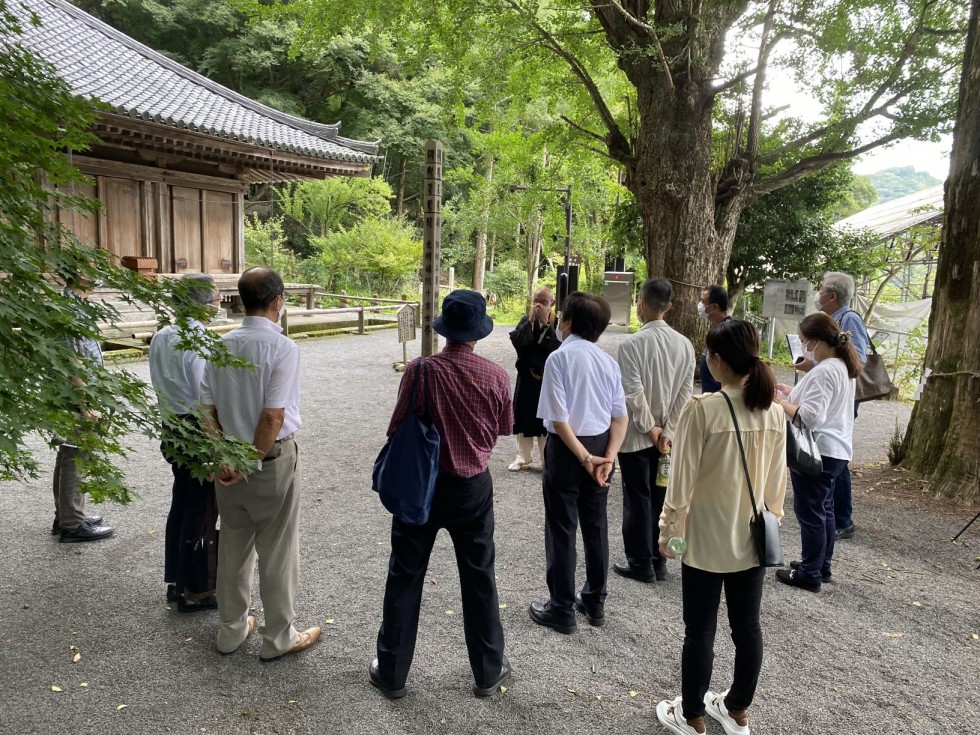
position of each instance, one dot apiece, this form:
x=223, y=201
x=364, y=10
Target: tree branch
x=586, y=131
x=755, y=112
x=803, y=168
x=733, y=82
x=619, y=147
x=644, y=34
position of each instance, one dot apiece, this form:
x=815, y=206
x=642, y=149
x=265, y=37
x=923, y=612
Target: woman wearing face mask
x=823, y=401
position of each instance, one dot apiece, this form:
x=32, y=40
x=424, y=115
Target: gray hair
x=203, y=290
x=840, y=284
x=656, y=294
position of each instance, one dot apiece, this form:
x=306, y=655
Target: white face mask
x=816, y=301
x=807, y=352
x=281, y=310
x=702, y=310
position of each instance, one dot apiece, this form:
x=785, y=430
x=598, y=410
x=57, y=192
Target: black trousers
x=464, y=507
x=572, y=498
x=191, y=544
x=701, y=594
x=643, y=502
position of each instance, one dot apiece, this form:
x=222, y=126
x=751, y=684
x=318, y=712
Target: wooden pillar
x=431, y=234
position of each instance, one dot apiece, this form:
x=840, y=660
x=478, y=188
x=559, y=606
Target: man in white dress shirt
x=191, y=545
x=658, y=378
x=259, y=510
x=584, y=411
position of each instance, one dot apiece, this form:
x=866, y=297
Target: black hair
x=718, y=296
x=588, y=313
x=259, y=287
x=824, y=328
x=656, y=293
x=737, y=343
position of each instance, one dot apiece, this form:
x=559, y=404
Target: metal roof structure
x=898, y=215
x=99, y=62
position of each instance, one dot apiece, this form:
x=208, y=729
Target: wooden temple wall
x=188, y=222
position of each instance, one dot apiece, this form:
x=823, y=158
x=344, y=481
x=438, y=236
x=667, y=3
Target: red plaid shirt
x=469, y=397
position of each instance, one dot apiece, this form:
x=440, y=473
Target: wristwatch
x=587, y=460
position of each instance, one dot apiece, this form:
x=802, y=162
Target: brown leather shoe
x=306, y=639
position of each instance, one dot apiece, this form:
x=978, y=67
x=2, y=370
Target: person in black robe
x=534, y=338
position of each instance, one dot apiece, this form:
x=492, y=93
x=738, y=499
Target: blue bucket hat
x=464, y=317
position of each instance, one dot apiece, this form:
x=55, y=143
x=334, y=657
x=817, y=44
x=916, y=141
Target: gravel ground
x=888, y=647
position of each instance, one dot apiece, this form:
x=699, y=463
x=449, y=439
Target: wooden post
x=360, y=320
x=310, y=300
x=431, y=234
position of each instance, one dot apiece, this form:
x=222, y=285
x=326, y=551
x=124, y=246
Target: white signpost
x=782, y=299
x=406, y=333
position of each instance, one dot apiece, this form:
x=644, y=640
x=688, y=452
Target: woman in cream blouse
x=708, y=505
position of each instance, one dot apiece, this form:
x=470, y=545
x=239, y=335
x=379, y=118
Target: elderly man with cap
x=469, y=398
x=191, y=545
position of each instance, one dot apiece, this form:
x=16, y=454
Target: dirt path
x=888, y=647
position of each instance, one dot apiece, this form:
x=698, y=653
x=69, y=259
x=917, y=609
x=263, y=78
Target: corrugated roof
x=898, y=215
x=99, y=62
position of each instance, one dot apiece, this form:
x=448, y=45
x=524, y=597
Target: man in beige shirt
x=658, y=378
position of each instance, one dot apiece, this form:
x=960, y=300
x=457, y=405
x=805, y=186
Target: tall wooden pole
x=431, y=235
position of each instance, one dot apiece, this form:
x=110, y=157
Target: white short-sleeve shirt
x=582, y=386
x=240, y=394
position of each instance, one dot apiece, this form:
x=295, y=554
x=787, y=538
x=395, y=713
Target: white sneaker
x=672, y=717
x=715, y=705
x=516, y=466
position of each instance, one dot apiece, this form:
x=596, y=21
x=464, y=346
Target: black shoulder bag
x=764, y=525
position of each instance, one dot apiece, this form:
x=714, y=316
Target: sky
x=933, y=158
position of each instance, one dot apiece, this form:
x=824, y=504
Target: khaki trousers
x=259, y=516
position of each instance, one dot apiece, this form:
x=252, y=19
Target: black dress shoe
x=488, y=691
x=793, y=579
x=544, y=614
x=388, y=691
x=660, y=571
x=188, y=606
x=86, y=532
x=825, y=576
x=596, y=616
x=623, y=569
x=844, y=533
x=90, y=520
x=172, y=594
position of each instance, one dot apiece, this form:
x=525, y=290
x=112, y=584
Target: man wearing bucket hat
x=469, y=399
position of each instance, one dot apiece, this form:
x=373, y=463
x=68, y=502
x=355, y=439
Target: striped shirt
x=469, y=398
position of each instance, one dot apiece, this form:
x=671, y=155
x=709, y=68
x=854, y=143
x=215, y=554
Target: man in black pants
x=469, y=399
x=191, y=545
x=584, y=410
x=658, y=379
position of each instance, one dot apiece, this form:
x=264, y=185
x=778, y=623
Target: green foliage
x=892, y=183
x=264, y=246
x=896, y=444
x=46, y=389
x=788, y=234
x=507, y=280
x=377, y=254
x=317, y=208
x=859, y=196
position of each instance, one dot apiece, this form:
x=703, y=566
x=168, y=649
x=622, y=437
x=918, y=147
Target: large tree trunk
x=943, y=438
x=688, y=224
x=400, y=195
x=480, y=256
